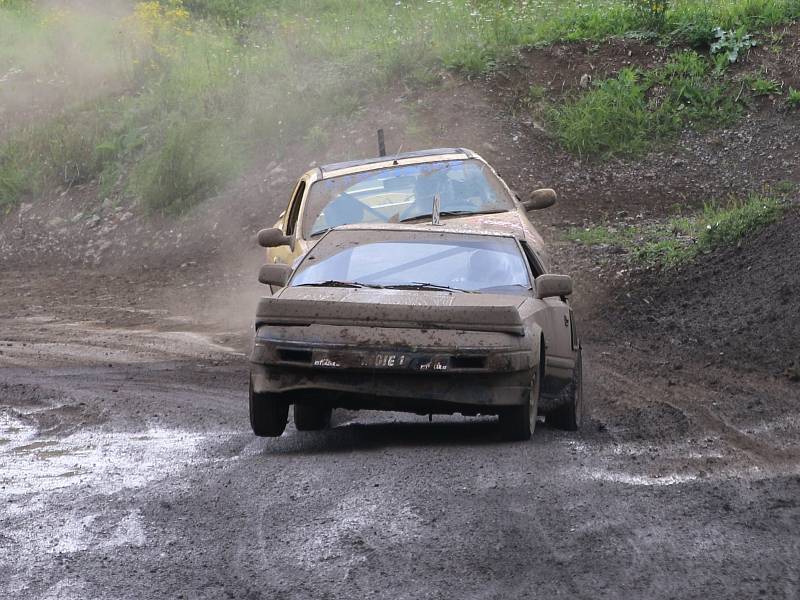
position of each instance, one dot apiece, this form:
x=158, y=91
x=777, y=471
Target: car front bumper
x=443, y=379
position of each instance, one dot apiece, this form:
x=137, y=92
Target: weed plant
x=761, y=86
x=731, y=44
x=793, y=98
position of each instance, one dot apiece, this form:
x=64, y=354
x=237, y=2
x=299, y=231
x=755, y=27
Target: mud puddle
x=104, y=461
x=682, y=461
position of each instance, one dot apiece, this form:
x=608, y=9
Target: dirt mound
x=737, y=306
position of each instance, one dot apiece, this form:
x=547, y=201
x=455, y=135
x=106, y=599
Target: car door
x=290, y=225
x=557, y=324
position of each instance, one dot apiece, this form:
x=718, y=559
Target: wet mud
x=128, y=470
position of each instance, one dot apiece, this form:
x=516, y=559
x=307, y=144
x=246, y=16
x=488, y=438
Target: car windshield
x=432, y=261
x=403, y=193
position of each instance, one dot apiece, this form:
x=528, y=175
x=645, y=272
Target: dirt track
x=129, y=471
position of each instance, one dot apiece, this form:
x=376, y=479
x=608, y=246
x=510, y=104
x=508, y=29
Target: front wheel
x=518, y=422
x=268, y=413
x=569, y=415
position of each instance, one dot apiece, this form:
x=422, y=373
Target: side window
x=294, y=208
x=533, y=261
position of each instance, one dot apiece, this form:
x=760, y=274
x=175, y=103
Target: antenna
x=381, y=144
x=436, y=210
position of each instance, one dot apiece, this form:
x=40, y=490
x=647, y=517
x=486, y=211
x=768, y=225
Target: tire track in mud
x=744, y=453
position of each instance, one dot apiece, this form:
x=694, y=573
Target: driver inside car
x=426, y=187
x=489, y=269
x=344, y=210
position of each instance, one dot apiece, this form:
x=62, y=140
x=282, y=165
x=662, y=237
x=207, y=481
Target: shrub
x=731, y=44
x=695, y=30
x=66, y=149
x=193, y=162
x=612, y=118
x=691, y=96
x=625, y=114
x=14, y=181
x=653, y=13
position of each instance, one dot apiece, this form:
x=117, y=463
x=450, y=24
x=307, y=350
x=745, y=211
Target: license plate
x=383, y=360
x=379, y=360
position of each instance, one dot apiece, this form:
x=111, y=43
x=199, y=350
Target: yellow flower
x=54, y=17
x=156, y=26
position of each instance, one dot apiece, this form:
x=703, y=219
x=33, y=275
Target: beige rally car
x=401, y=189
x=412, y=283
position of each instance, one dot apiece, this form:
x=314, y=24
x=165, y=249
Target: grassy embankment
x=680, y=239
x=202, y=88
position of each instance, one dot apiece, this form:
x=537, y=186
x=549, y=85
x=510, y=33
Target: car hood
x=415, y=309
x=506, y=222
x=399, y=297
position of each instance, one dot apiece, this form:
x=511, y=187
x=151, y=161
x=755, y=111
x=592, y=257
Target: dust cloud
x=201, y=264
x=63, y=55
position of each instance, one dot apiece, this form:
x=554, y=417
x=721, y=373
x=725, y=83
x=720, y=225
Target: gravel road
x=128, y=470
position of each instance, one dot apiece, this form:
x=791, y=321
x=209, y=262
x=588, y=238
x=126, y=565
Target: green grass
x=628, y=113
x=193, y=161
x=793, y=98
x=680, y=239
x=13, y=177
x=761, y=86
x=613, y=118
x=262, y=74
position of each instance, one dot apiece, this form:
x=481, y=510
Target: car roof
x=404, y=158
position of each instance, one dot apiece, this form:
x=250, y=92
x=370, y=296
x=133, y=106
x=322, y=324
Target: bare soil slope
x=740, y=303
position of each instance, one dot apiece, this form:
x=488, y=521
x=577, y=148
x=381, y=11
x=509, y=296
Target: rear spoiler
x=275, y=311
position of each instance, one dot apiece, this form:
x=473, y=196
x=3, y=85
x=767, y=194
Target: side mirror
x=539, y=199
x=276, y=275
x=271, y=238
x=553, y=286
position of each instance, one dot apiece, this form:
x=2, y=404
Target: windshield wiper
x=320, y=232
x=451, y=213
x=418, y=285
x=332, y=283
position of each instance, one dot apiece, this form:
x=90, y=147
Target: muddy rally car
x=401, y=189
x=422, y=318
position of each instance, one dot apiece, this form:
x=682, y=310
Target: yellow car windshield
x=403, y=193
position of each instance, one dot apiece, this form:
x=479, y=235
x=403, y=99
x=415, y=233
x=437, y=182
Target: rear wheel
x=310, y=417
x=569, y=415
x=268, y=413
x=518, y=422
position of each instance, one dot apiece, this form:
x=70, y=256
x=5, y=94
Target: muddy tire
x=269, y=413
x=517, y=423
x=568, y=416
x=310, y=417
